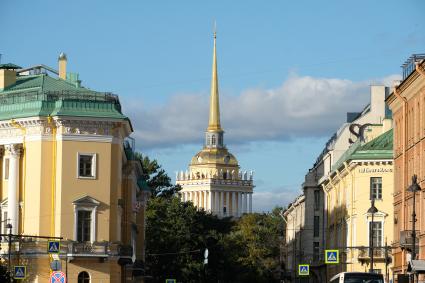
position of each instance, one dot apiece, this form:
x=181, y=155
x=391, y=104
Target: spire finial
x=214, y=119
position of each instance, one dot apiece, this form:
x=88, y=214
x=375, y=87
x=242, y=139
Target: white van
x=357, y=277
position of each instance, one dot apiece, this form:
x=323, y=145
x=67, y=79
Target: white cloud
x=264, y=201
x=300, y=107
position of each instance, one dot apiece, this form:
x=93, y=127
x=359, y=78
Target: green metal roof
x=42, y=95
x=379, y=148
x=9, y=66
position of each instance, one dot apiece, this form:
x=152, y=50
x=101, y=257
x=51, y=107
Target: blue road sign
x=331, y=256
x=304, y=270
x=53, y=247
x=20, y=272
x=57, y=277
x=170, y=280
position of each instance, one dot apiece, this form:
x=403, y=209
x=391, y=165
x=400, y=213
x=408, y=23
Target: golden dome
x=220, y=156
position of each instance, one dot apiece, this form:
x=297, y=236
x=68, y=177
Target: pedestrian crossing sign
x=20, y=272
x=331, y=256
x=303, y=269
x=53, y=247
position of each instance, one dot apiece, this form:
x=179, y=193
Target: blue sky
x=288, y=70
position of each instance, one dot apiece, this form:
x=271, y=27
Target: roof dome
x=219, y=156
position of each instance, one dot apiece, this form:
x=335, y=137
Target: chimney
x=62, y=66
x=7, y=75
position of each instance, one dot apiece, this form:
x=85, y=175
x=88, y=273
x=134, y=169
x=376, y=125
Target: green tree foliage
x=176, y=237
x=156, y=177
x=254, y=246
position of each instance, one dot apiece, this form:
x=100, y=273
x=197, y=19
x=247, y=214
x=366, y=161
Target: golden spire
x=214, y=120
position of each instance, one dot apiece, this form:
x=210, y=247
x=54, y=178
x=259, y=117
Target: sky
x=288, y=70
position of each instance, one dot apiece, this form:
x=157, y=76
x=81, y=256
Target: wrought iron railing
x=28, y=96
x=378, y=252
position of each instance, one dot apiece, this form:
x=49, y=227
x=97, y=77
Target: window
x=87, y=165
x=375, y=188
x=85, y=219
x=6, y=168
x=316, y=226
x=213, y=140
x=316, y=200
x=83, y=277
x=316, y=251
x=376, y=229
x=83, y=225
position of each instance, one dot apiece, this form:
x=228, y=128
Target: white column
x=234, y=211
x=243, y=203
x=221, y=202
x=250, y=203
x=227, y=203
x=195, y=199
x=210, y=201
x=205, y=200
x=239, y=203
x=14, y=152
x=216, y=202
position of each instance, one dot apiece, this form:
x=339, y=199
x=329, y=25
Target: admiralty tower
x=214, y=180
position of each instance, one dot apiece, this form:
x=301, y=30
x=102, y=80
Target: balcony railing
x=69, y=249
x=378, y=253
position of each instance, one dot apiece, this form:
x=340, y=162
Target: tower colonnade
x=220, y=202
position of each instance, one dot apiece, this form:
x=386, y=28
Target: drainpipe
x=404, y=143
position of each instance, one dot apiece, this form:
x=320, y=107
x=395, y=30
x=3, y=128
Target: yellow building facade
x=68, y=171
x=214, y=181
x=363, y=173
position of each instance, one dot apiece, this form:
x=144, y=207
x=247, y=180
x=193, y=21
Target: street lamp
x=414, y=187
x=9, y=226
x=372, y=210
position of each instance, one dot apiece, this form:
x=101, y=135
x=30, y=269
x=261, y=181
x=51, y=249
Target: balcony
x=378, y=254
x=99, y=250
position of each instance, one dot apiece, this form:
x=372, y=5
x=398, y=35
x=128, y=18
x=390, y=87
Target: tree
x=156, y=177
x=256, y=239
x=177, y=234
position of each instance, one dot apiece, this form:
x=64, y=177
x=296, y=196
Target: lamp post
x=9, y=226
x=372, y=210
x=414, y=187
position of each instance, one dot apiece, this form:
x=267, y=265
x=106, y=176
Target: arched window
x=213, y=140
x=83, y=277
